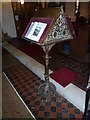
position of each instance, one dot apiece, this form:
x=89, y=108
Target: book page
x=38, y=31
x=35, y=31
x=31, y=30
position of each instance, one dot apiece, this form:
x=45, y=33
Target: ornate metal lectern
x=57, y=31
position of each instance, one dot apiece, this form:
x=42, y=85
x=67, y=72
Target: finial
x=62, y=11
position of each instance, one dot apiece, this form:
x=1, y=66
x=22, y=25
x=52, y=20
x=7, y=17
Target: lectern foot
x=47, y=89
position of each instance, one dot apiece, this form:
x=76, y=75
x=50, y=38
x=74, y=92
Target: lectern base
x=47, y=89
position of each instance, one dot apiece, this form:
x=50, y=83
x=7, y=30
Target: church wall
x=8, y=24
x=70, y=9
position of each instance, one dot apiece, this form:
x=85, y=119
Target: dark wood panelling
x=22, y=14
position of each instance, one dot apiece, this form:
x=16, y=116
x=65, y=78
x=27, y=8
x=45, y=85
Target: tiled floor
x=79, y=66
x=69, y=92
x=26, y=84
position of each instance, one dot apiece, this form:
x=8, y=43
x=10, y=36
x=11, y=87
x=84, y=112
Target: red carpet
x=64, y=76
x=32, y=50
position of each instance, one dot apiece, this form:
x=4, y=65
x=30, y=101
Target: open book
x=35, y=31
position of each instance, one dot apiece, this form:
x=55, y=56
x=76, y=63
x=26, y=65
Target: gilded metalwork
x=60, y=31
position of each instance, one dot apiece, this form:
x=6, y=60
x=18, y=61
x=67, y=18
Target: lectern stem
x=46, y=65
x=47, y=88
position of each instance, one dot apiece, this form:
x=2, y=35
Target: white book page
x=31, y=30
x=38, y=31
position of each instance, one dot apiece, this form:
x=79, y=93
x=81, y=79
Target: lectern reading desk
x=46, y=28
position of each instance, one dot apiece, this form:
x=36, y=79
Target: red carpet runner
x=64, y=76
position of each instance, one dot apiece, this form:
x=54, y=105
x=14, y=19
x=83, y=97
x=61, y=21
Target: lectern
x=46, y=28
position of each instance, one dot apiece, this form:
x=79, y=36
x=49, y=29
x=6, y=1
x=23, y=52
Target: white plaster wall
x=0, y=22
x=0, y=13
x=8, y=23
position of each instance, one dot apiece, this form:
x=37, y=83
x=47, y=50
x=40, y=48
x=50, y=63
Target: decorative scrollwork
x=60, y=30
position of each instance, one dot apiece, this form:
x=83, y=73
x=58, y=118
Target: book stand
x=58, y=29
